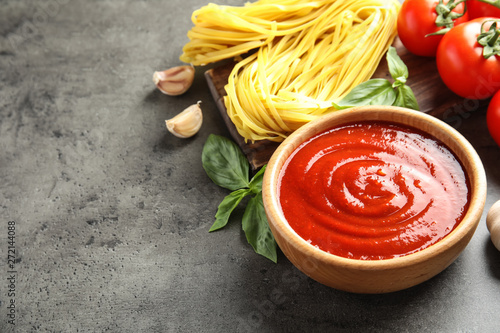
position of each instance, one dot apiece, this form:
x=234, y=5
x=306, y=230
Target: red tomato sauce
x=373, y=190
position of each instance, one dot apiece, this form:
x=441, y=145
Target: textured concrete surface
x=110, y=213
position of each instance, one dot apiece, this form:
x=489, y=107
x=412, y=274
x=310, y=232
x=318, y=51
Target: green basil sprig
x=382, y=91
x=227, y=167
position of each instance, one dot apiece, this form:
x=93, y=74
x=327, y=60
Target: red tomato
x=476, y=9
x=493, y=118
x=461, y=64
x=416, y=19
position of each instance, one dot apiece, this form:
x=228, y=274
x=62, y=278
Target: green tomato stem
x=494, y=38
x=490, y=39
x=446, y=16
x=495, y=3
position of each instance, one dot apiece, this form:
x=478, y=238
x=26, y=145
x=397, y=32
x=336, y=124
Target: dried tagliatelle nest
x=305, y=56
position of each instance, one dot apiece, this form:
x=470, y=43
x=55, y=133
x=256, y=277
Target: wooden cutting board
x=432, y=95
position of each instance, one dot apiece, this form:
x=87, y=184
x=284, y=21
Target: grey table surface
x=110, y=213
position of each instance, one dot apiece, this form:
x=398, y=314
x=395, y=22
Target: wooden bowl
x=375, y=276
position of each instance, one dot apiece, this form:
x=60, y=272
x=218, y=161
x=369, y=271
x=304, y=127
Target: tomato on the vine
x=493, y=118
x=477, y=9
x=417, y=19
x=462, y=61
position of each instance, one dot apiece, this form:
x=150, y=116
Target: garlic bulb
x=187, y=123
x=493, y=224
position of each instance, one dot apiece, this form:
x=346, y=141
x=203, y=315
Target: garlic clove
x=174, y=81
x=187, y=123
x=495, y=235
x=493, y=224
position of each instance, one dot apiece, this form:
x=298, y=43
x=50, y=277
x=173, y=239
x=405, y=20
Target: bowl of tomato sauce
x=374, y=199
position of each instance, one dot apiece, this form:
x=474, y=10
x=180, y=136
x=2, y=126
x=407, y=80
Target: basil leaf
x=224, y=163
x=257, y=229
x=381, y=91
x=406, y=98
x=256, y=182
x=397, y=68
x=371, y=92
x=226, y=207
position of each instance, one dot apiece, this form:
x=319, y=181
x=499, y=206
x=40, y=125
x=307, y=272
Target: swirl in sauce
x=373, y=190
